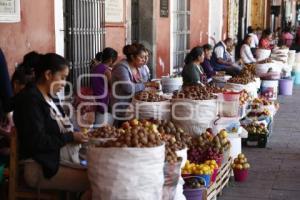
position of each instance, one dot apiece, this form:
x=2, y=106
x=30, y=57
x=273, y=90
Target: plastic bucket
x=286, y=86
x=229, y=104
x=169, y=85
x=269, y=89
x=240, y=175
x=297, y=77
x=193, y=194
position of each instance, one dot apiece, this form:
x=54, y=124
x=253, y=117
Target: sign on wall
x=114, y=11
x=164, y=8
x=9, y=11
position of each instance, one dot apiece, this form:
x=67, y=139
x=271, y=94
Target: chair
x=17, y=190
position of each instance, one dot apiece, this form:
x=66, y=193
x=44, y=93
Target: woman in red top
x=265, y=41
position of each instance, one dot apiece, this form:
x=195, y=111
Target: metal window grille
x=84, y=36
x=181, y=33
x=135, y=20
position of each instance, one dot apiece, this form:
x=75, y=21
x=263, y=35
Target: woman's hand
x=80, y=137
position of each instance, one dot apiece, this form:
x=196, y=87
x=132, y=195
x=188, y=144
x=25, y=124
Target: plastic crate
x=256, y=140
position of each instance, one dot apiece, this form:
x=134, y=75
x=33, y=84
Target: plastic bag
x=194, y=116
x=126, y=173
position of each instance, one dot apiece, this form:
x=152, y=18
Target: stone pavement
x=275, y=170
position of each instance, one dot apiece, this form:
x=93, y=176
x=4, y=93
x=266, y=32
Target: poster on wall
x=9, y=11
x=114, y=11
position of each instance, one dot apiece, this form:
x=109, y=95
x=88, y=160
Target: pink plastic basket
x=240, y=175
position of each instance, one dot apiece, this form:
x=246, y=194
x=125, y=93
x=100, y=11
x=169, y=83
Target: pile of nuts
x=195, y=92
x=106, y=132
x=149, y=96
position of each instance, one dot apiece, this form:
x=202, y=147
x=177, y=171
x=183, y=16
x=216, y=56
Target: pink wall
x=34, y=32
x=199, y=22
x=115, y=37
x=163, y=43
x=225, y=20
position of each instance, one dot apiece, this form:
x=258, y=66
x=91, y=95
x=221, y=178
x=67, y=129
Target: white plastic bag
x=194, y=116
x=126, y=173
x=172, y=174
x=179, y=189
x=152, y=110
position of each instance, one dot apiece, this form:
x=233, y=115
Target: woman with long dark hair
x=44, y=130
x=192, y=72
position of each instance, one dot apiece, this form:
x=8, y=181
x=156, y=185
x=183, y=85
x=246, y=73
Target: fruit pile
x=199, y=169
x=204, y=139
x=258, y=114
x=176, y=137
x=244, y=97
x=138, y=134
x=106, y=132
x=214, y=89
x=240, y=80
x=193, y=183
x=149, y=96
x=220, y=142
x=255, y=128
x=258, y=102
x=194, y=92
x=240, y=162
x=249, y=69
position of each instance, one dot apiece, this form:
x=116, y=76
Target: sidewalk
x=275, y=171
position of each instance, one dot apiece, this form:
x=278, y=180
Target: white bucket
x=269, y=89
x=298, y=57
x=296, y=67
x=169, y=85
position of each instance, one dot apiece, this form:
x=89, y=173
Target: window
x=85, y=35
x=180, y=33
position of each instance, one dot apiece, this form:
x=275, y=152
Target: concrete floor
x=275, y=172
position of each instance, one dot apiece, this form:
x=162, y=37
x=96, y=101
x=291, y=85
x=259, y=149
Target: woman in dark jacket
x=192, y=72
x=43, y=129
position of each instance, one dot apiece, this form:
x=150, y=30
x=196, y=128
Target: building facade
x=78, y=29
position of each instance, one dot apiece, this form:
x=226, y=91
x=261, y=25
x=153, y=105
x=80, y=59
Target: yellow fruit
x=233, y=166
x=239, y=166
x=236, y=161
x=242, y=161
x=246, y=165
x=241, y=156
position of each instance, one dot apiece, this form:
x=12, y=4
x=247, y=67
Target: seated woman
x=266, y=39
x=126, y=80
x=208, y=69
x=102, y=86
x=44, y=130
x=192, y=72
x=287, y=37
x=144, y=69
x=245, y=52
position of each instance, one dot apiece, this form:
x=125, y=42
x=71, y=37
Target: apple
x=134, y=122
x=246, y=165
x=239, y=166
x=126, y=125
x=241, y=156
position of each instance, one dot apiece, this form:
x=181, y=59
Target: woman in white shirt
x=245, y=52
